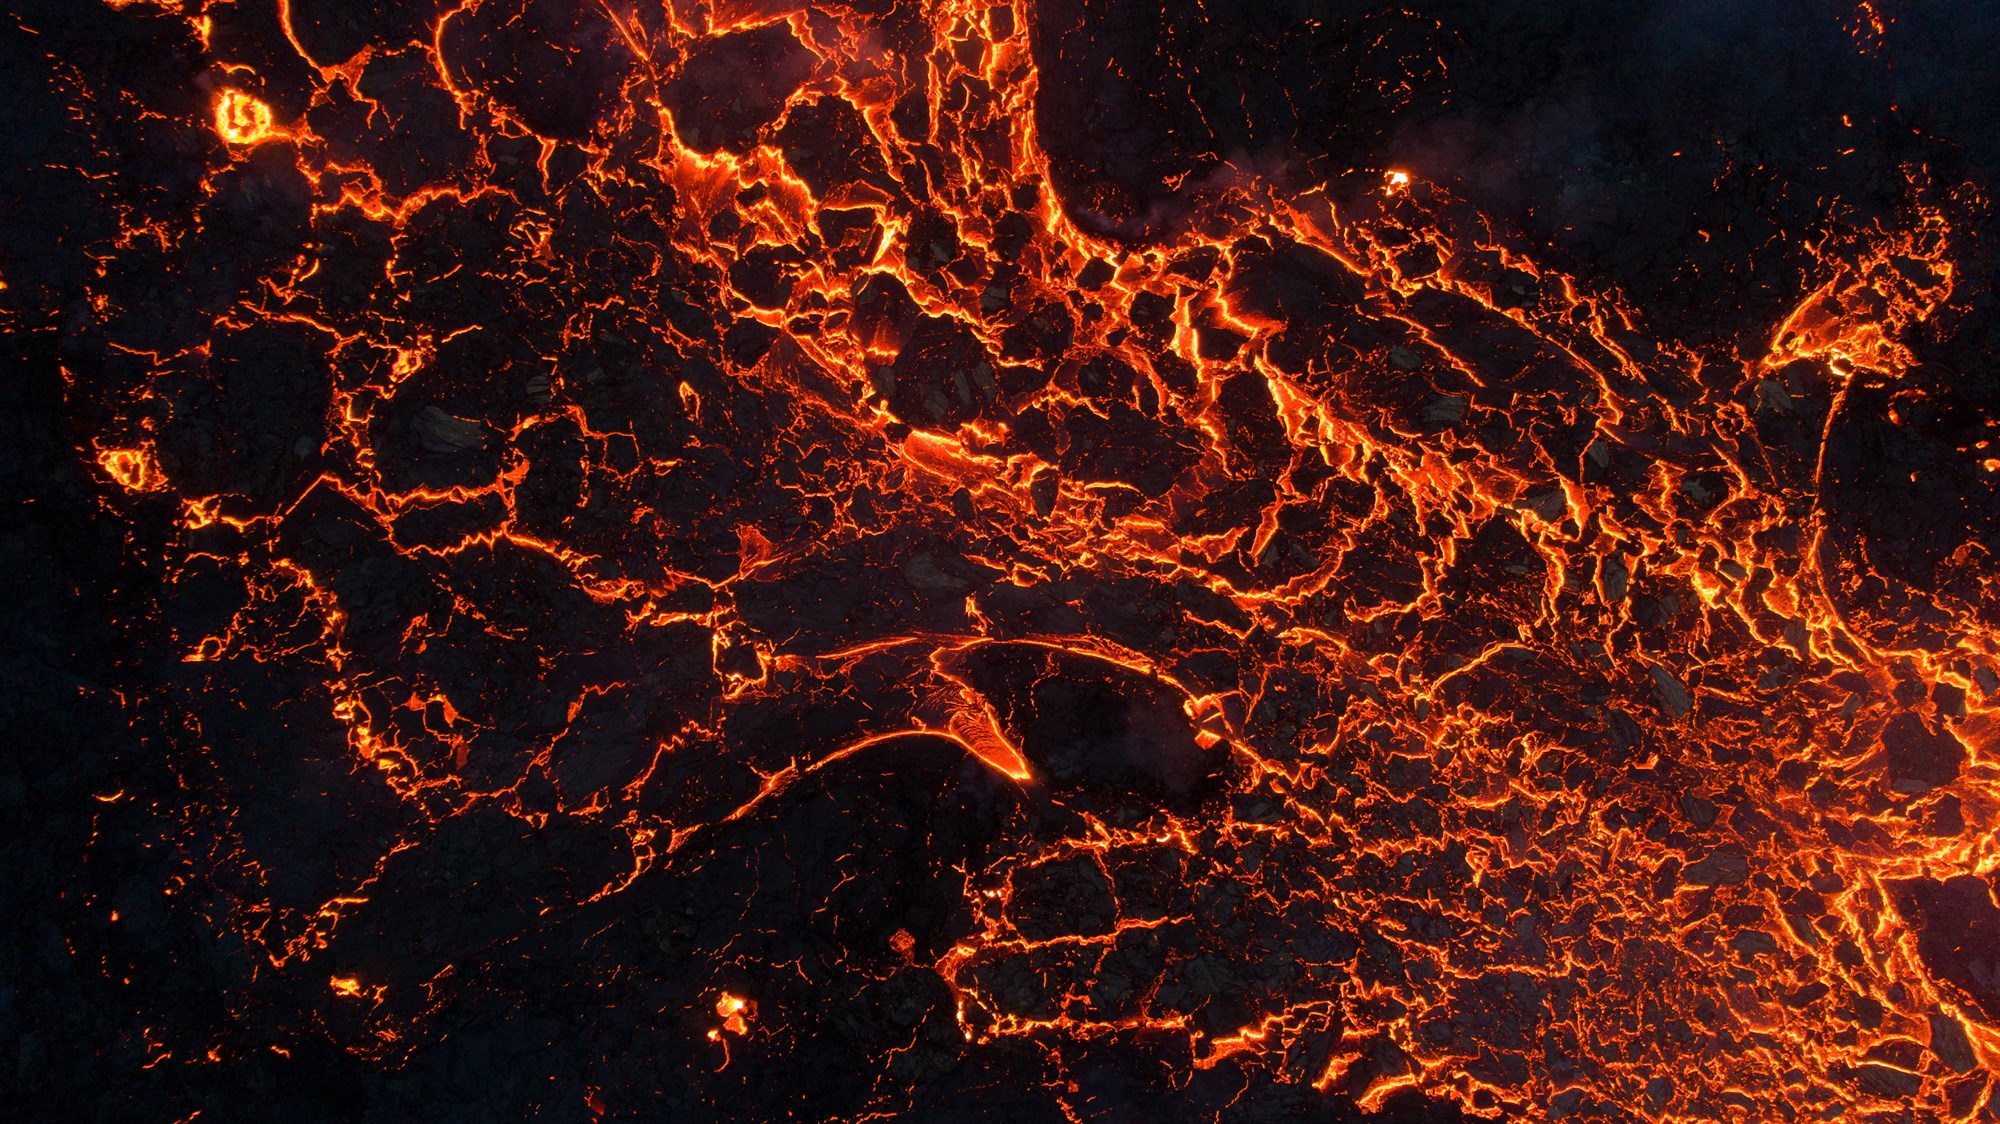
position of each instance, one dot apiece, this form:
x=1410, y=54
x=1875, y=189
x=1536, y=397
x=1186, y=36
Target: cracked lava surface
x=720, y=562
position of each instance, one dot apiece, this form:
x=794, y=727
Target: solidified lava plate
x=1000, y=560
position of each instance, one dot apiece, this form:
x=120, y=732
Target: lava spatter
x=683, y=573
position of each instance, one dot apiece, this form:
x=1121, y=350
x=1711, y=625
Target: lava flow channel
x=678, y=577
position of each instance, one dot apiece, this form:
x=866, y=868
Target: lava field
x=999, y=560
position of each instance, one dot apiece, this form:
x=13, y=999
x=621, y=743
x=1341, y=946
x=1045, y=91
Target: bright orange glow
x=733, y=1010
x=1857, y=319
x=241, y=119
x=133, y=469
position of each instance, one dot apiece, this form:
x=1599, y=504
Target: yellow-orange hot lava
x=733, y=1010
x=241, y=119
x=1322, y=646
x=135, y=470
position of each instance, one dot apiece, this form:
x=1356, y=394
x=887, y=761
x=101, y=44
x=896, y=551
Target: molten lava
x=675, y=557
x=241, y=119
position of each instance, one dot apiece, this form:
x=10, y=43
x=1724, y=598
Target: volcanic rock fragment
x=515, y=51
x=943, y=376
x=1950, y=699
x=1951, y=1044
x=1752, y=943
x=1772, y=394
x=851, y=236
x=1043, y=334
x=923, y=574
x=446, y=433
x=1549, y=505
x=1882, y=1080
x=1215, y=342
x=1065, y=896
x=1964, y=1095
x=1444, y=411
x=1725, y=867
x=1958, y=935
x=829, y=145
x=1670, y=693
x=1042, y=490
x=1921, y=756
x=1150, y=310
x=735, y=85
x=764, y=275
x=1096, y=731
x=933, y=241
x=1698, y=811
